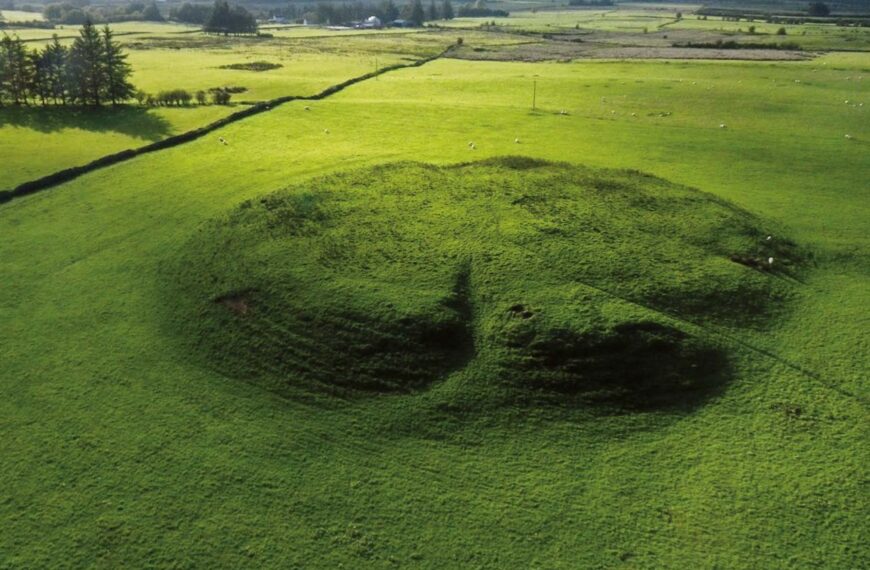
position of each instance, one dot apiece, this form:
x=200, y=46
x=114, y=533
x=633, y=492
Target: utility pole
x=534, y=94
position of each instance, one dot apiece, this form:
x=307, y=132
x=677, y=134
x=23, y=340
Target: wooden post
x=534, y=94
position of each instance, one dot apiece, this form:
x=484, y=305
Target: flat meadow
x=126, y=444
x=198, y=63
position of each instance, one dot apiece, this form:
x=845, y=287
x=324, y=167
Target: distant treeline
x=77, y=13
x=788, y=6
x=590, y=3
x=386, y=11
x=469, y=11
x=38, y=24
x=226, y=20
x=92, y=71
x=731, y=44
x=842, y=13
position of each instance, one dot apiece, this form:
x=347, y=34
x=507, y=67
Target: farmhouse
x=370, y=23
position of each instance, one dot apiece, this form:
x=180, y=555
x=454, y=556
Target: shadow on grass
x=130, y=121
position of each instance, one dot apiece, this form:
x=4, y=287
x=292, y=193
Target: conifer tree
x=116, y=70
x=447, y=10
x=432, y=12
x=417, y=14
x=55, y=55
x=86, y=66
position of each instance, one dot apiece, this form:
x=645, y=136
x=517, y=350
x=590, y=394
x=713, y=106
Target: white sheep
x=770, y=261
x=517, y=141
x=326, y=131
x=722, y=125
x=769, y=238
x=848, y=136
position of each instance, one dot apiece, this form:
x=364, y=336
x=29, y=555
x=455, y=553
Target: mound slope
x=536, y=279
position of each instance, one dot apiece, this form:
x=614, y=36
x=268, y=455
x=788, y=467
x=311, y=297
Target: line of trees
x=226, y=20
x=386, y=11
x=92, y=71
x=76, y=13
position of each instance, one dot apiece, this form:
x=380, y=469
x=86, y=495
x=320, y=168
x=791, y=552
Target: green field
x=333, y=343
x=198, y=63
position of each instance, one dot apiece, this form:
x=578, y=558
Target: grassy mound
x=522, y=277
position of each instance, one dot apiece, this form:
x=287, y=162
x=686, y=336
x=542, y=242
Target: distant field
x=20, y=16
x=631, y=19
x=76, y=137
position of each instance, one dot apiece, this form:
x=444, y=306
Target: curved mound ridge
x=543, y=278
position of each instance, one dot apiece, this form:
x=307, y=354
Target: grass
x=122, y=448
x=631, y=20
x=538, y=282
x=12, y=16
x=307, y=68
x=68, y=137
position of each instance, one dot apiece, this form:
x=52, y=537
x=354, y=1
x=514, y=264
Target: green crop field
x=421, y=324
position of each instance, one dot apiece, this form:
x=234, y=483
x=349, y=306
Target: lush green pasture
x=635, y=20
x=308, y=66
x=122, y=449
x=70, y=137
x=35, y=142
x=808, y=36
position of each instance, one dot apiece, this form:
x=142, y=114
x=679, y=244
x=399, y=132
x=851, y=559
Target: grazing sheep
x=222, y=140
x=848, y=136
x=470, y=144
x=517, y=141
x=722, y=126
x=770, y=261
x=634, y=114
x=769, y=238
x=326, y=131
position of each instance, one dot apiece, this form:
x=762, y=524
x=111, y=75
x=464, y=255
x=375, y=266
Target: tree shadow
x=134, y=122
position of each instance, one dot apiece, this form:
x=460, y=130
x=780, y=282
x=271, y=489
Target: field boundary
x=68, y=174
